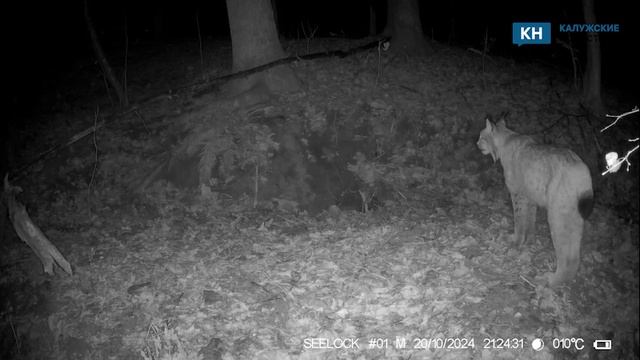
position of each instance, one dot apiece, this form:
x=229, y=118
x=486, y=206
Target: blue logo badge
x=531, y=33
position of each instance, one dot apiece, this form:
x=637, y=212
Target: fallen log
x=31, y=234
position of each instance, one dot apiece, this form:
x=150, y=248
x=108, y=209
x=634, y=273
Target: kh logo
x=531, y=33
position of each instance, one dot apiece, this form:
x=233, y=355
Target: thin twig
x=618, y=117
x=574, y=60
x=15, y=336
x=527, y=281
x=200, y=41
x=95, y=148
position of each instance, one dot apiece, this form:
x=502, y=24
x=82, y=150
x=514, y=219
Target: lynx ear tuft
x=489, y=125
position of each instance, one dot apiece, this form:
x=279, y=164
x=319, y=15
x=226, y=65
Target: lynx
x=548, y=176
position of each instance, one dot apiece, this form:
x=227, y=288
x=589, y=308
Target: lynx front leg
x=566, y=232
x=524, y=218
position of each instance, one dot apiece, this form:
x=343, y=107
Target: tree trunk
x=591, y=84
x=102, y=60
x=373, y=30
x=274, y=9
x=255, y=42
x=390, y=10
x=405, y=28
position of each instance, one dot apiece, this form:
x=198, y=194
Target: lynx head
x=491, y=138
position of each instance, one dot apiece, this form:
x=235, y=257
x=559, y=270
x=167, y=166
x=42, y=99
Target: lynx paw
x=554, y=280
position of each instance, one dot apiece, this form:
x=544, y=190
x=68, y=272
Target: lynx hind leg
x=524, y=218
x=566, y=227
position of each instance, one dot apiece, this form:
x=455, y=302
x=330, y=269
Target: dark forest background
x=46, y=38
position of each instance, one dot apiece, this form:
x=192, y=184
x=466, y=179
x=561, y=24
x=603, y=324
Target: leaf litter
x=170, y=275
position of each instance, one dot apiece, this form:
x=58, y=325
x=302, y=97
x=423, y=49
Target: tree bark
x=592, y=80
x=254, y=40
x=405, y=28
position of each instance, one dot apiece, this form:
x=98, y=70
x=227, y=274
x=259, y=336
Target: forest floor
x=427, y=274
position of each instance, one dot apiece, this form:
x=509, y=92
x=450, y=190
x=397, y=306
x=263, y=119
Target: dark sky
x=44, y=38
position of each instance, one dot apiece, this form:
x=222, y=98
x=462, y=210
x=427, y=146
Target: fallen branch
x=31, y=234
x=208, y=85
x=21, y=171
